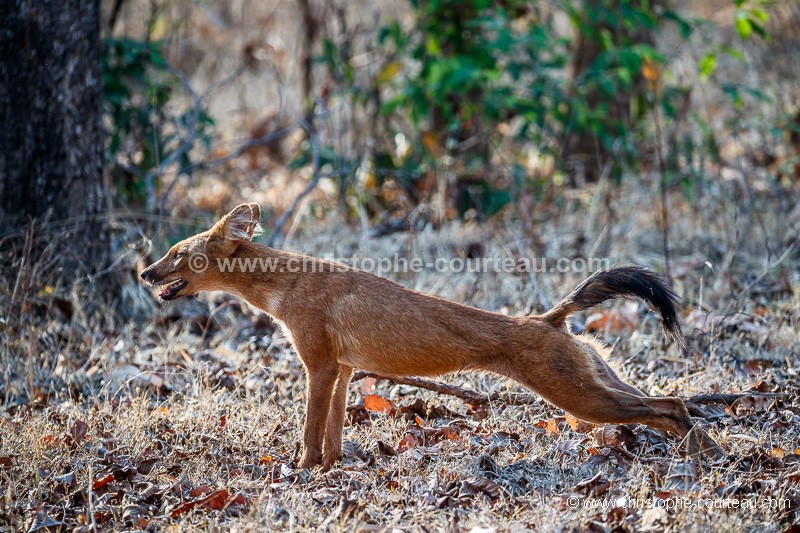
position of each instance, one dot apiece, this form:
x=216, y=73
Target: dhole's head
x=191, y=265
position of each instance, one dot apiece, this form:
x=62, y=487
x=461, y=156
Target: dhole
x=339, y=319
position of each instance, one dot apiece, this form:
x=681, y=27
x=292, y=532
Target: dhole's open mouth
x=170, y=290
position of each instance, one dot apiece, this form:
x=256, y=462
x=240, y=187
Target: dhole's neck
x=262, y=276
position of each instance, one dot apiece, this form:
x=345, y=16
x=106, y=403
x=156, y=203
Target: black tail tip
x=655, y=290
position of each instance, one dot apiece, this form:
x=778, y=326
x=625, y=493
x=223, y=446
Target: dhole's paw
x=711, y=449
x=330, y=459
x=310, y=461
x=698, y=444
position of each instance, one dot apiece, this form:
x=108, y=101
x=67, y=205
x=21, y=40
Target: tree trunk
x=51, y=123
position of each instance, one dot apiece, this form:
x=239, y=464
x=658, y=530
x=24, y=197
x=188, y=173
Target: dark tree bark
x=51, y=123
x=308, y=36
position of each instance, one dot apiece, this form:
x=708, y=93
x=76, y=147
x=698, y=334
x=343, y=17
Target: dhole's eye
x=179, y=255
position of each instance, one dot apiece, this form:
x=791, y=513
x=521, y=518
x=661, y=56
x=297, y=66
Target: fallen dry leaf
x=478, y=485
x=613, y=436
x=611, y=321
x=76, y=433
x=378, y=404
x=216, y=501
x=43, y=522
x=358, y=415
x=101, y=482
x=367, y=386
x=714, y=321
x=200, y=491
x=386, y=450
x=595, y=486
x=552, y=428
x=756, y=367
x=749, y=405
x=407, y=442
x=571, y=447
x=679, y=476
x=578, y=425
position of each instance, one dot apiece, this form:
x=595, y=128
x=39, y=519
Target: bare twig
x=470, y=397
x=264, y=140
x=694, y=404
x=269, y=138
x=770, y=267
x=754, y=210
x=183, y=148
x=112, y=18
x=662, y=171
x=702, y=399
x=211, y=89
x=313, y=136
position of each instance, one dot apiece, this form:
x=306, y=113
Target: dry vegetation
x=192, y=417
x=188, y=415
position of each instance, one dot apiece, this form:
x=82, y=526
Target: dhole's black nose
x=144, y=275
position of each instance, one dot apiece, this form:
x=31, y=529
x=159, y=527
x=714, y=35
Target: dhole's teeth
x=169, y=290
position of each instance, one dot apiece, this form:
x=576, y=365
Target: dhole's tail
x=621, y=282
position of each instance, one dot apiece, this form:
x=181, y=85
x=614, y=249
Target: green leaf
x=432, y=46
x=390, y=106
x=683, y=25
x=624, y=76
x=743, y=26
x=707, y=66
x=758, y=28
x=732, y=52
x=759, y=14
x=461, y=75
x=733, y=93
x=631, y=60
x=758, y=95
x=388, y=72
x=606, y=40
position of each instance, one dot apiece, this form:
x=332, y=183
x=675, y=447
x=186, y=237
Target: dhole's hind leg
x=609, y=405
x=584, y=385
x=332, y=449
x=706, y=443
x=610, y=378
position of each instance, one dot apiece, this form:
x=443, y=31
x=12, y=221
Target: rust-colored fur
x=339, y=319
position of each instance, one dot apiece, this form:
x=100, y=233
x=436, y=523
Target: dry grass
x=120, y=424
x=201, y=397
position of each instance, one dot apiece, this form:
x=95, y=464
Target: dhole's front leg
x=332, y=451
x=320, y=378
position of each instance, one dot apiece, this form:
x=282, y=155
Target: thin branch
x=313, y=137
x=470, y=397
x=770, y=267
x=184, y=147
x=693, y=404
x=663, y=193
x=223, y=82
x=269, y=138
x=702, y=399
x=112, y=18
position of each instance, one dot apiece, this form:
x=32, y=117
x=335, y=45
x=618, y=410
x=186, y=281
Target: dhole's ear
x=241, y=224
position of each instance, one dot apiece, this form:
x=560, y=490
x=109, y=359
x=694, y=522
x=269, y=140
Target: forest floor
x=191, y=418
